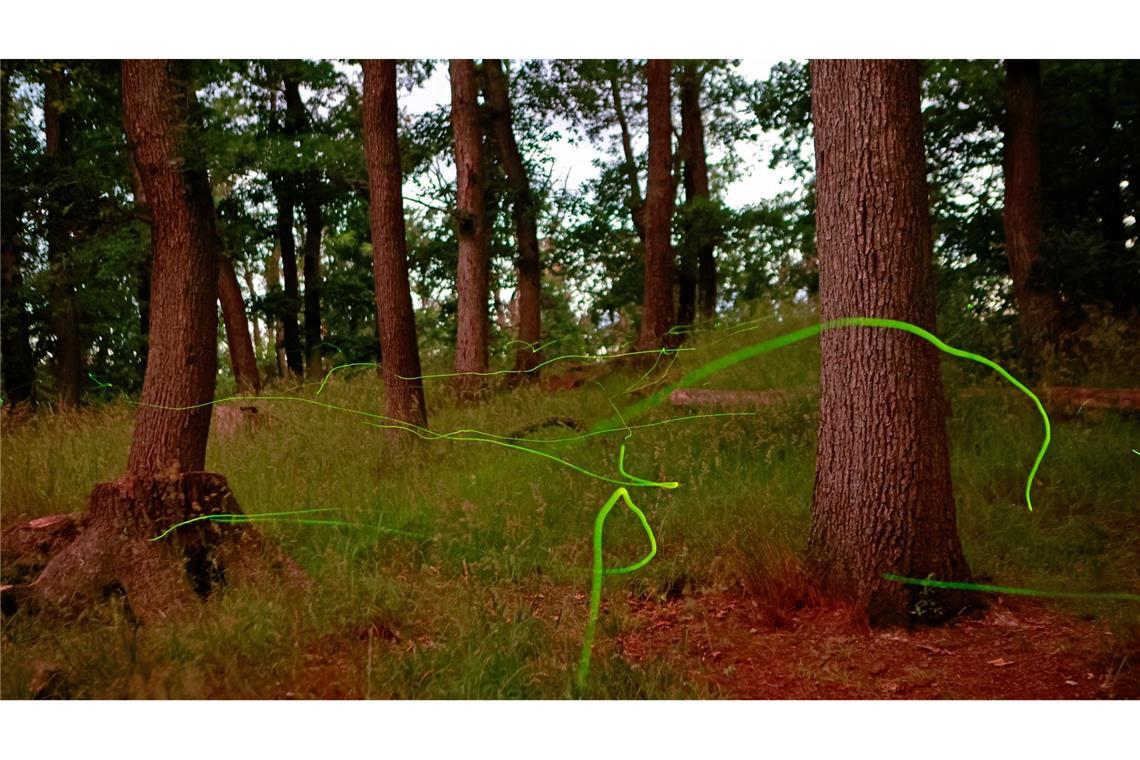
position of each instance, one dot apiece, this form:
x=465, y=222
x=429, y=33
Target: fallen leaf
x=1000, y=662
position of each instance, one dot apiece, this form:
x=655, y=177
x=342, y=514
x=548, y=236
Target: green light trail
x=1111, y=595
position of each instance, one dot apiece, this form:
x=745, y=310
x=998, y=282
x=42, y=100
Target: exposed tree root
x=116, y=552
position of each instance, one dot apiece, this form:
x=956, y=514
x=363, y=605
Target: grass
x=489, y=601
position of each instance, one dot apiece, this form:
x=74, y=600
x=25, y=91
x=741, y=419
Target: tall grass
x=487, y=599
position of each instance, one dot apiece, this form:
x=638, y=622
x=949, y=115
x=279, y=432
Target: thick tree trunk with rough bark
x=183, y=352
x=883, y=501
x=19, y=367
x=242, y=358
x=129, y=542
x=142, y=272
x=525, y=210
x=395, y=318
x=699, y=281
x=1021, y=216
x=473, y=280
x=64, y=315
x=657, y=306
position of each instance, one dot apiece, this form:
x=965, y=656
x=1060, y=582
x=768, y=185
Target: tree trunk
x=526, y=222
x=142, y=272
x=395, y=318
x=657, y=313
x=314, y=227
x=247, y=274
x=183, y=352
x=242, y=358
x=19, y=366
x=473, y=280
x=307, y=189
x=700, y=237
x=288, y=245
x=119, y=547
x=1021, y=216
x=64, y=315
x=635, y=203
x=273, y=286
x=883, y=501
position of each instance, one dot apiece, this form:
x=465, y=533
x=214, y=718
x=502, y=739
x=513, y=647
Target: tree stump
x=119, y=552
x=27, y=548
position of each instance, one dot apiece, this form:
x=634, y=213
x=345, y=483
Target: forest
x=570, y=378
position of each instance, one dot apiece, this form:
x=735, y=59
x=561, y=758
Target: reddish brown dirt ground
x=1013, y=650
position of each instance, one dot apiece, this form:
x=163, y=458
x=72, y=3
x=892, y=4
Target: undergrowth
x=488, y=598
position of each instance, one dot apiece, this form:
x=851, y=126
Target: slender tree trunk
x=395, y=318
x=242, y=358
x=308, y=191
x=19, y=366
x=883, y=501
x=657, y=313
x=526, y=219
x=288, y=246
x=314, y=227
x=277, y=327
x=473, y=281
x=183, y=352
x=64, y=315
x=1022, y=214
x=700, y=240
x=635, y=203
x=247, y=275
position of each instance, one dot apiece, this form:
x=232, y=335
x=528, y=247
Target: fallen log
x=705, y=397
x=1070, y=400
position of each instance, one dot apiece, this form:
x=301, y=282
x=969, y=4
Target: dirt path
x=1014, y=650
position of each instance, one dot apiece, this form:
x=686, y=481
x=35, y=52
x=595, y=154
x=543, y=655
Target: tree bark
x=635, y=202
x=64, y=315
x=142, y=272
x=700, y=239
x=526, y=220
x=308, y=189
x=19, y=366
x=292, y=300
x=883, y=501
x=1021, y=216
x=395, y=318
x=242, y=358
x=183, y=348
x=314, y=227
x=277, y=327
x=657, y=313
x=131, y=540
x=247, y=274
x=473, y=280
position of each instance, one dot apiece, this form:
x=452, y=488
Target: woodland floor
x=734, y=647
x=1016, y=650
